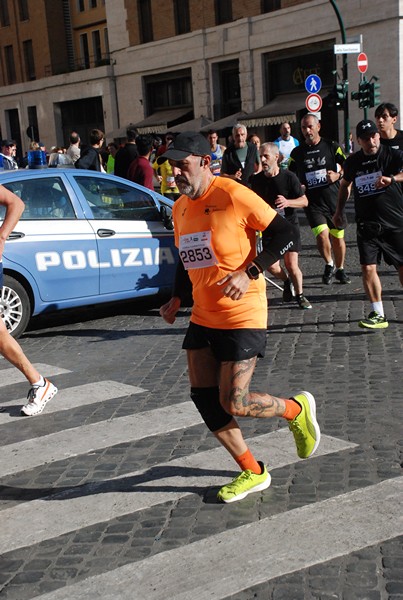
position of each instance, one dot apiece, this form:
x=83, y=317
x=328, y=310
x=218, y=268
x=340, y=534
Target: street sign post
x=362, y=62
x=313, y=103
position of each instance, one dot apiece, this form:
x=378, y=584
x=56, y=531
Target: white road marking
x=97, y=502
x=81, y=440
x=66, y=398
x=270, y=548
x=13, y=375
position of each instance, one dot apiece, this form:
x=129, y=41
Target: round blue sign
x=313, y=84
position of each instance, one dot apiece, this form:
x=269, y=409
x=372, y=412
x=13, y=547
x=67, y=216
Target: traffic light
x=368, y=94
x=363, y=94
x=340, y=95
x=337, y=97
x=374, y=94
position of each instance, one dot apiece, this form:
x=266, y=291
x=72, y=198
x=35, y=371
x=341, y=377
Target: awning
x=163, y=120
x=193, y=125
x=282, y=108
x=225, y=122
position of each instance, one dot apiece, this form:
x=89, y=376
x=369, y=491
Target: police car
x=84, y=238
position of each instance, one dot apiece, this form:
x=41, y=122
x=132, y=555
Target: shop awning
x=282, y=108
x=225, y=122
x=163, y=120
x=193, y=125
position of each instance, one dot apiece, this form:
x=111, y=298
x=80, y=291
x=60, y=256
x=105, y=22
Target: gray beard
x=187, y=190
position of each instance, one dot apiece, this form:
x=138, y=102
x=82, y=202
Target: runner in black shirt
x=315, y=163
x=375, y=171
x=281, y=189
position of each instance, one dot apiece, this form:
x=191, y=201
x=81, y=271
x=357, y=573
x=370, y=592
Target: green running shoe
x=245, y=483
x=305, y=427
x=374, y=321
x=303, y=302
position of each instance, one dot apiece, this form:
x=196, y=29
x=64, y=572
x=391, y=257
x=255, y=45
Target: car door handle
x=106, y=232
x=15, y=235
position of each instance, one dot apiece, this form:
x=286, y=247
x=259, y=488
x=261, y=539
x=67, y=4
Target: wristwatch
x=252, y=271
x=392, y=179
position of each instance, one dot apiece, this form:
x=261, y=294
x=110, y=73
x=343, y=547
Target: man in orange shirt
x=216, y=221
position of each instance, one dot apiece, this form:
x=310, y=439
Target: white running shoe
x=38, y=397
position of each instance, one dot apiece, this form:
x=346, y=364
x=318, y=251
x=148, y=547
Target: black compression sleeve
x=182, y=287
x=277, y=238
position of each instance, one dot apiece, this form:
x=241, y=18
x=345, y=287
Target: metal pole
x=345, y=76
x=273, y=283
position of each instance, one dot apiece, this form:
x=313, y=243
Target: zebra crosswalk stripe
x=80, y=395
x=80, y=440
x=12, y=375
x=97, y=502
x=270, y=548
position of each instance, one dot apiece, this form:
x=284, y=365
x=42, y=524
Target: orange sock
x=248, y=461
x=292, y=409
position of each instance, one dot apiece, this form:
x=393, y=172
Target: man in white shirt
x=73, y=151
x=286, y=143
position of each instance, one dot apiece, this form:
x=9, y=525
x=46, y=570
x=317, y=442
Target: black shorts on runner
x=320, y=214
x=297, y=247
x=1, y=275
x=226, y=344
x=388, y=244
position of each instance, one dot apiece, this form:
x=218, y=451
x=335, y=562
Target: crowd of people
x=288, y=173
x=235, y=214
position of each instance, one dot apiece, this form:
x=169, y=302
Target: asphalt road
x=110, y=493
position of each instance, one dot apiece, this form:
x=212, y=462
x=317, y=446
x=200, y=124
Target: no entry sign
x=362, y=62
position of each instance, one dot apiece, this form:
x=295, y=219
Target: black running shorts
x=320, y=214
x=226, y=344
x=389, y=245
x=297, y=247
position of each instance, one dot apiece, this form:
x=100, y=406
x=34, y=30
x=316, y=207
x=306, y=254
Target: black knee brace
x=207, y=401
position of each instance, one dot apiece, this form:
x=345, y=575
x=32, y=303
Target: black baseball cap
x=8, y=143
x=184, y=144
x=366, y=128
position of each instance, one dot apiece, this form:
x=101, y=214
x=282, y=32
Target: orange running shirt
x=218, y=231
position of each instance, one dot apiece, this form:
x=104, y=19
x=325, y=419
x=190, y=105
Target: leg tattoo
x=236, y=397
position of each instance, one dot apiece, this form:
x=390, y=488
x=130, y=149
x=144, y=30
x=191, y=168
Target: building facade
x=79, y=64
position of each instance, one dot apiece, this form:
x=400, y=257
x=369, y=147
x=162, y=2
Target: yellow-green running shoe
x=245, y=483
x=305, y=427
x=374, y=321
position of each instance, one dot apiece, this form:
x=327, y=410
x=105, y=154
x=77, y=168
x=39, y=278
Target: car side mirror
x=166, y=217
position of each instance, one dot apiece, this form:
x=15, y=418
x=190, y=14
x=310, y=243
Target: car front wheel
x=15, y=306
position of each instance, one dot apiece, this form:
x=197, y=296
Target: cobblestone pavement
x=117, y=479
